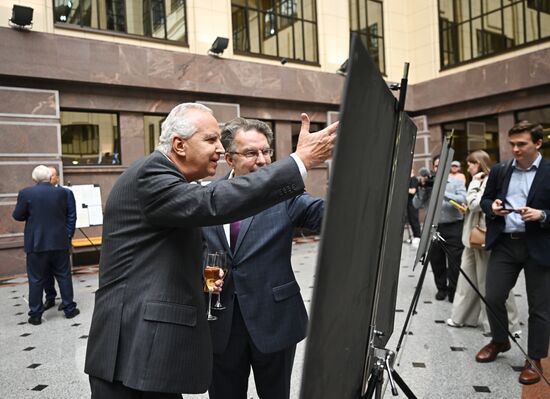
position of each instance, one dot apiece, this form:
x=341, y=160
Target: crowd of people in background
x=505, y=206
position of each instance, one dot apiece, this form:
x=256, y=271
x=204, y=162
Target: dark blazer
x=44, y=209
x=149, y=327
x=537, y=234
x=71, y=212
x=261, y=275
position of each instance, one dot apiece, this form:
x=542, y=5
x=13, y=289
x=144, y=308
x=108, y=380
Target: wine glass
x=222, y=263
x=211, y=274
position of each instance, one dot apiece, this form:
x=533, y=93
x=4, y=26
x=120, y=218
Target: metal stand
x=90, y=241
x=384, y=362
x=416, y=296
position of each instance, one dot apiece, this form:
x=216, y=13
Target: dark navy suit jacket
x=71, y=212
x=537, y=234
x=262, y=276
x=44, y=210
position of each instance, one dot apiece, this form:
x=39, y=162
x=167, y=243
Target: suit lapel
x=245, y=225
x=539, y=178
x=506, y=182
x=223, y=238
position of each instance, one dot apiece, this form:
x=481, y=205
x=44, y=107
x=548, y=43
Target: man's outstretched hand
x=315, y=148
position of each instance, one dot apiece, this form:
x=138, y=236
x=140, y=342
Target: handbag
x=477, y=238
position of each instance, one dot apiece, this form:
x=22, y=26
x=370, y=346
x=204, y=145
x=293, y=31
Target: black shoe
x=451, y=297
x=61, y=307
x=73, y=313
x=441, y=295
x=50, y=303
x=35, y=321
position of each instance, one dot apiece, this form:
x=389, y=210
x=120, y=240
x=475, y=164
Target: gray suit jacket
x=149, y=327
x=261, y=275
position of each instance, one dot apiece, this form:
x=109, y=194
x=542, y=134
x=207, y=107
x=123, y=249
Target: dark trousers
x=232, y=368
x=49, y=287
x=446, y=268
x=412, y=217
x=507, y=259
x=38, y=265
x=102, y=389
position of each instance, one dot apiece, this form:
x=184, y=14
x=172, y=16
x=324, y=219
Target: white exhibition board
x=88, y=205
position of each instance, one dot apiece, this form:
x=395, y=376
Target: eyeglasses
x=268, y=152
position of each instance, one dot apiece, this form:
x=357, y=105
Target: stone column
x=283, y=139
x=505, y=123
x=132, y=137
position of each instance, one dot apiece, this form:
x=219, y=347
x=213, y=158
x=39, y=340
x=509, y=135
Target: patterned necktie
x=234, y=229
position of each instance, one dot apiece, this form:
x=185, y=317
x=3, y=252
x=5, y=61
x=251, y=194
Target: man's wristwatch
x=542, y=216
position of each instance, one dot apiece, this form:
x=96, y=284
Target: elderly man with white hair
x=44, y=210
x=149, y=336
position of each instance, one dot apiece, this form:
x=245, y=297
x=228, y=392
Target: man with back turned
x=149, y=336
x=44, y=209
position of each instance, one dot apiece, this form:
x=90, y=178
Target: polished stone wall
x=29, y=136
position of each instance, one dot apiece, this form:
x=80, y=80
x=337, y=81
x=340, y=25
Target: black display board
x=433, y=211
x=365, y=211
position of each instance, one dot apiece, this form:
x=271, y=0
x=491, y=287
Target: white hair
x=41, y=174
x=176, y=124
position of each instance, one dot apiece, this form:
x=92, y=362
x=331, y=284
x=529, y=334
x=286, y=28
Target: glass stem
x=209, y=303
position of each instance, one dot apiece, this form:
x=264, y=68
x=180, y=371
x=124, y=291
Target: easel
x=383, y=358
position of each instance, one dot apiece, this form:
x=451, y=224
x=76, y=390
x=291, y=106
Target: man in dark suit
x=49, y=284
x=149, y=335
x=44, y=210
x=265, y=316
x=517, y=204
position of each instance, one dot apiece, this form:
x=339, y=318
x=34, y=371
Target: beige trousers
x=467, y=307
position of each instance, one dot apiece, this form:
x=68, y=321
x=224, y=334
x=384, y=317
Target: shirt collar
x=534, y=165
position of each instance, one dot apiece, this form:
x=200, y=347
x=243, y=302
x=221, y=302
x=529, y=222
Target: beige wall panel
x=223, y=112
x=9, y=225
x=28, y=138
x=333, y=33
x=132, y=137
x=505, y=122
x=29, y=102
x=283, y=139
x=317, y=181
x=208, y=19
x=17, y=175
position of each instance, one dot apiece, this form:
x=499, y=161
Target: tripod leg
x=404, y=387
x=374, y=381
x=414, y=303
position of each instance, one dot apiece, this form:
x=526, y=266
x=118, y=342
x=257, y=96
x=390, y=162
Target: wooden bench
x=84, y=242
x=84, y=253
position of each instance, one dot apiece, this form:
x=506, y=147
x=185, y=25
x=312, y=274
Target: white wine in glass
x=211, y=274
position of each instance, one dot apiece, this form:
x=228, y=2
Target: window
x=473, y=29
x=366, y=19
x=159, y=19
x=474, y=134
x=276, y=29
x=542, y=116
x=89, y=138
x=152, y=126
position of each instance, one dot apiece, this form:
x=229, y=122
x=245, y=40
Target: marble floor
x=436, y=361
